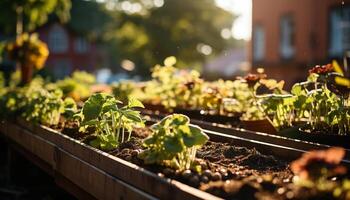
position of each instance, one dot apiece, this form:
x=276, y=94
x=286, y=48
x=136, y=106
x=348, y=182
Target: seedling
x=173, y=143
x=112, y=125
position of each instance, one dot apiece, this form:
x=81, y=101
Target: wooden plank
x=123, y=170
x=47, y=168
x=97, y=182
x=34, y=144
x=68, y=168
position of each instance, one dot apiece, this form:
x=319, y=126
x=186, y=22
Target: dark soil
x=228, y=171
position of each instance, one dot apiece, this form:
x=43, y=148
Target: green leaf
x=134, y=103
x=172, y=144
x=92, y=122
x=179, y=119
x=132, y=115
x=110, y=105
x=296, y=89
x=196, y=138
x=93, y=106
x=149, y=141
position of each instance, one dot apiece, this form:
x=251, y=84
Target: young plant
x=174, y=87
x=173, y=143
x=255, y=112
x=112, y=125
x=325, y=103
x=41, y=105
x=280, y=109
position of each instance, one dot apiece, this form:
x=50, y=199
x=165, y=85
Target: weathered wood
x=63, y=164
x=121, y=169
x=35, y=144
x=91, y=168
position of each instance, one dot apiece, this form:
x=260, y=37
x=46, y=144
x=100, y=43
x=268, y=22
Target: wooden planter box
x=277, y=139
x=288, y=138
x=96, y=172
x=105, y=176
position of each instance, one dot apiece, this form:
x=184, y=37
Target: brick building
x=290, y=36
x=69, y=51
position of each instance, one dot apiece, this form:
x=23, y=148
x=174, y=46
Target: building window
x=58, y=39
x=339, y=31
x=287, y=46
x=81, y=45
x=258, y=43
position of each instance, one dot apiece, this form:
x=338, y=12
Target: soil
x=228, y=171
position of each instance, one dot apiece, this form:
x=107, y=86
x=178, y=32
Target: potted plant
x=29, y=52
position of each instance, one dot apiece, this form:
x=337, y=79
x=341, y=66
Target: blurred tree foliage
x=31, y=13
x=91, y=19
x=176, y=29
x=145, y=37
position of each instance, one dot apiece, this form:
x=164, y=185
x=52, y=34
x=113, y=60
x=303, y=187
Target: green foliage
x=35, y=103
x=2, y=81
x=280, y=108
x=253, y=114
x=42, y=106
x=176, y=28
x=101, y=112
x=173, y=142
x=224, y=97
x=97, y=26
x=309, y=101
x=176, y=88
x=70, y=108
x=35, y=12
x=125, y=89
x=77, y=86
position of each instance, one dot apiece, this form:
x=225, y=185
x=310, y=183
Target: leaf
x=196, y=138
x=110, y=105
x=179, y=119
x=132, y=115
x=134, y=103
x=92, y=122
x=172, y=144
x=149, y=141
x=95, y=143
x=93, y=106
x=337, y=68
x=342, y=81
x=296, y=89
x=312, y=77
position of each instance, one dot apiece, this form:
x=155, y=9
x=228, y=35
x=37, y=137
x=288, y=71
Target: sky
x=241, y=28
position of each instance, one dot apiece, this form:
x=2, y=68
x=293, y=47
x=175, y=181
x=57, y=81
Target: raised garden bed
x=105, y=176
x=292, y=137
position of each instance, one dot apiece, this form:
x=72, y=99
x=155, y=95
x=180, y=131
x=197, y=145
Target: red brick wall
x=87, y=61
x=311, y=21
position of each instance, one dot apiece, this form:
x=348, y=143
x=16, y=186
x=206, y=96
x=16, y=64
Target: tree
x=90, y=19
x=25, y=15
x=176, y=28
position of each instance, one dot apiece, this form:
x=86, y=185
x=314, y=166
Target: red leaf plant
x=321, y=69
x=315, y=165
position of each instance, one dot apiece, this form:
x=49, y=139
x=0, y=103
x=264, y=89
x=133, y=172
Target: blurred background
x=124, y=39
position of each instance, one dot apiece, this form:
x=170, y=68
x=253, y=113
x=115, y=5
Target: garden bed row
x=108, y=177
x=291, y=137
